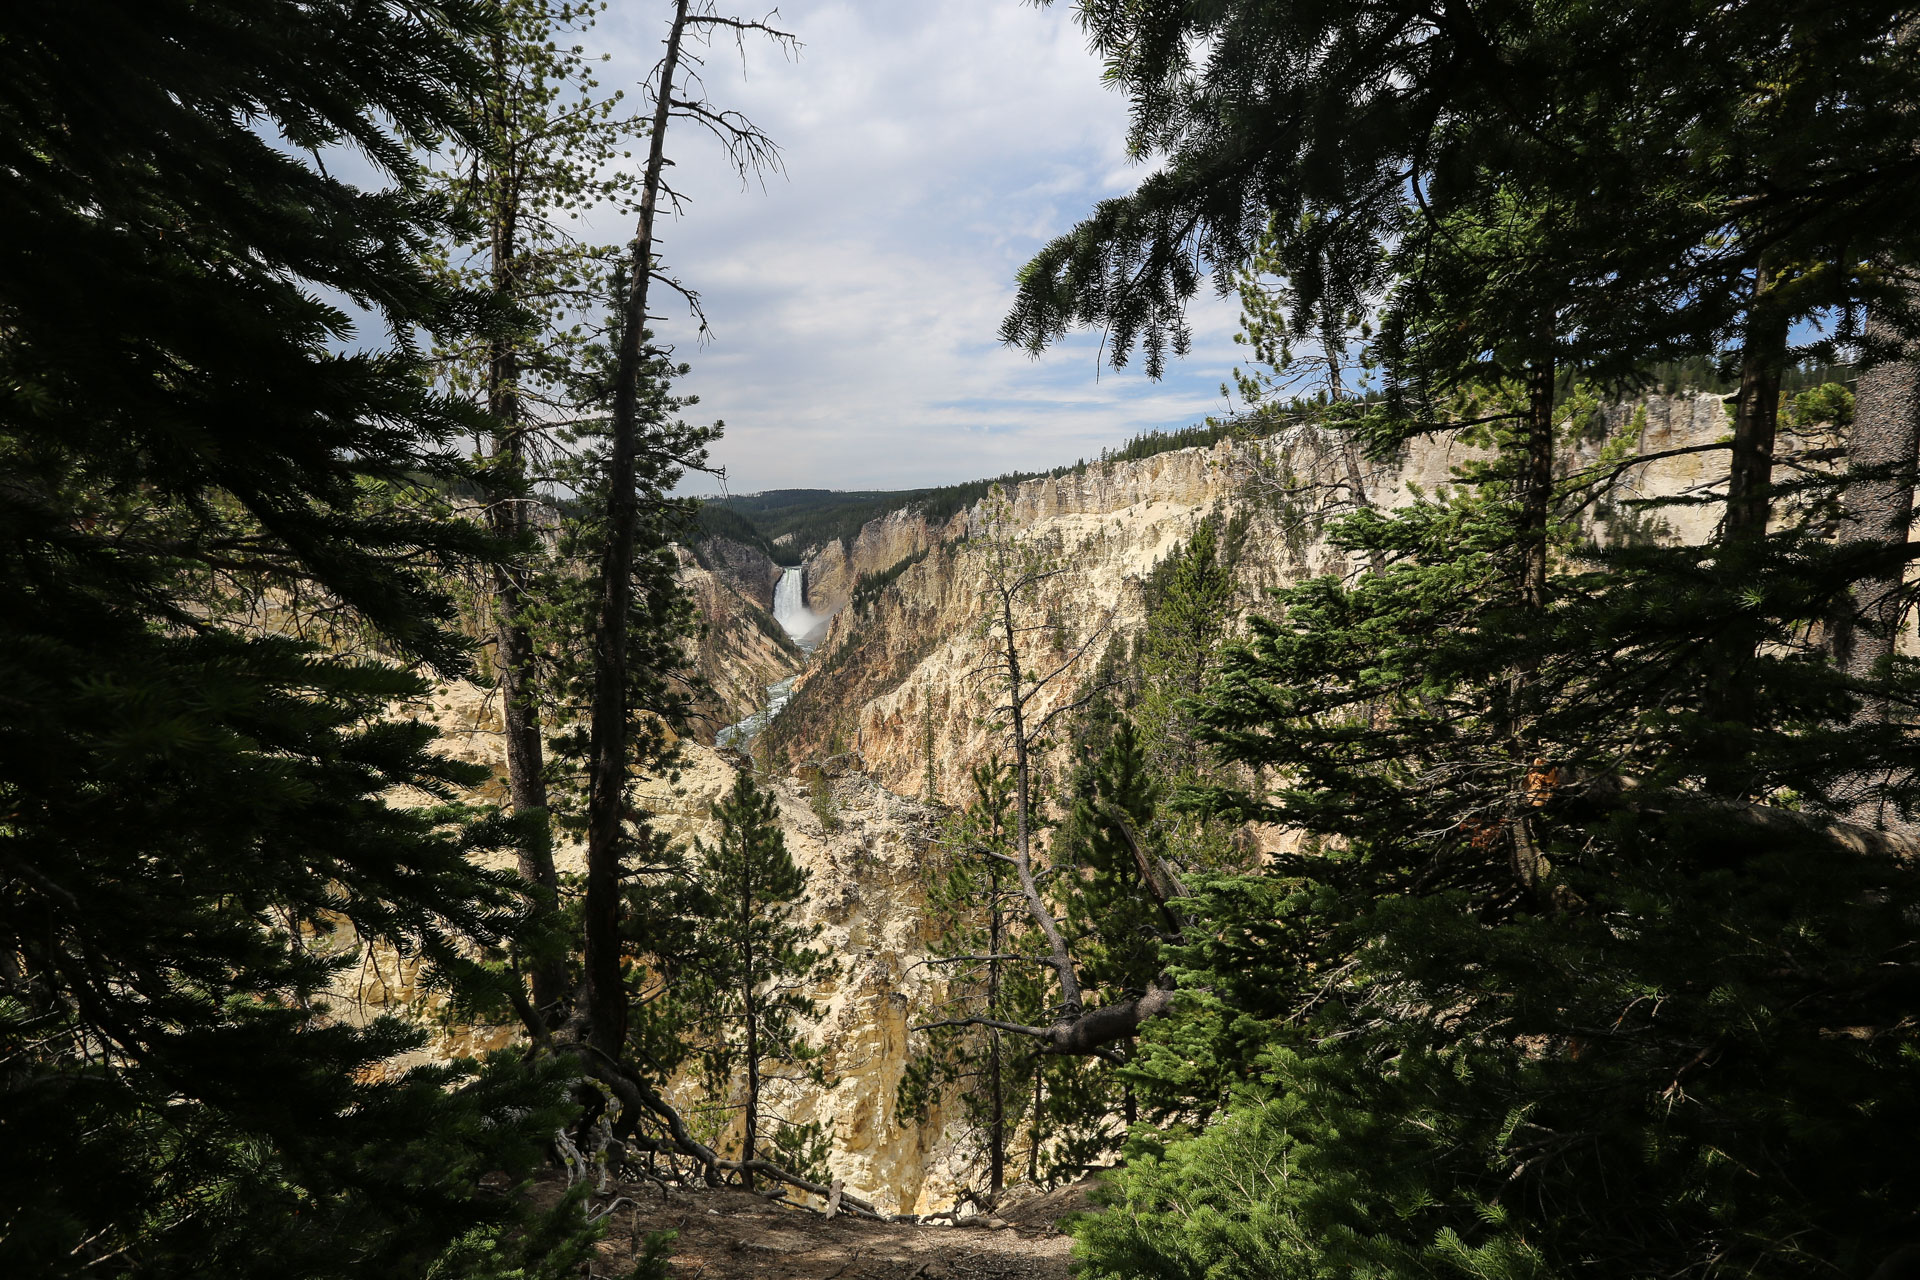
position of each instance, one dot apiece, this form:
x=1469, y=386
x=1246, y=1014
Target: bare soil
x=729, y=1234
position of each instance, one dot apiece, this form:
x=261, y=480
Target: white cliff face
x=835, y=569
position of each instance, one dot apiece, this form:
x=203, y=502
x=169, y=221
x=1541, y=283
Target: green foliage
x=1505, y=1015
x=542, y=146
x=986, y=952
x=1829, y=404
x=748, y=996
x=227, y=544
x=1118, y=927
x=869, y=586
x=1192, y=599
x=717, y=520
x=820, y=796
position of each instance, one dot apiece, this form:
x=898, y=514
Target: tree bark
x=997, y=1116
x=1536, y=502
x=608, y=741
x=1756, y=413
x=1071, y=1000
x=1879, y=514
x=1536, y=510
x=752, y=1011
x=507, y=516
x=1749, y=502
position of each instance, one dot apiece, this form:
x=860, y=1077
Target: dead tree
x=1027, y=677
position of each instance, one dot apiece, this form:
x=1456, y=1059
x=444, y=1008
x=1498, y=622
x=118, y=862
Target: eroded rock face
x=898, y=682
x=834, y=570
x=742, y=649
x=867, y=893
x=904, y=664
x=748, y=570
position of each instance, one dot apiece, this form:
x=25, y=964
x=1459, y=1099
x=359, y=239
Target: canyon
x=877, y=638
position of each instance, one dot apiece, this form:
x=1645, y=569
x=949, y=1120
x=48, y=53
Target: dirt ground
x=730, y=1234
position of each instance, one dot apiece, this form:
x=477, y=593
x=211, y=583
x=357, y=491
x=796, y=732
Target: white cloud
x=931, y=146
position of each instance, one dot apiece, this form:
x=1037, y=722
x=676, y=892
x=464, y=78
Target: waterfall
x=806, y=627
x=790, y=609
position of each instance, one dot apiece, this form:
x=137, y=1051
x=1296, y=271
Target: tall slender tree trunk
x=1536, y=504
x=1039, y=1101
x=1536, y=510
x=1749, y=502
x=997, y=1112
x=608, y=741
x=750, y=1139
x=1072, y=1004
x=1879, y=516
x=507, y=515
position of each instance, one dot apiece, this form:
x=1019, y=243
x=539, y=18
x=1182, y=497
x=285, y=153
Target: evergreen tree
x=751, y=996
x=1493, y=985
x=223, y=539
x=1190, y=620
x=982, y=941
x=543, y=136
x=631, y=363
x=1118, y=923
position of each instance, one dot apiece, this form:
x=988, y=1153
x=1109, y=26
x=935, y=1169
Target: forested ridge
x=1523, y=890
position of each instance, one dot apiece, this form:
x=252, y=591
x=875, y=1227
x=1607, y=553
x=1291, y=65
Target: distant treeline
x=818, y=516
x=716, y=519
x=1705, y=373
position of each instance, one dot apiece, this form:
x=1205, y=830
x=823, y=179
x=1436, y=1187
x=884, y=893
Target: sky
x=930, y=148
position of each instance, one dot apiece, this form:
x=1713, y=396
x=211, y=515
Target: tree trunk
x=1756, y=413
x=751, y=1137
x=1879, y=514
x=1039, y=1100
x=1536, y=503
x=1749, y=499
x=997, y=1117
x=1061, y=960
x=507, y=516
x=606, y=985
x=1536, y=509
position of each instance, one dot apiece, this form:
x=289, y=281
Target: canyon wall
x=834, y=570
x=894, y=694
x=740, y=649
x=897, y=678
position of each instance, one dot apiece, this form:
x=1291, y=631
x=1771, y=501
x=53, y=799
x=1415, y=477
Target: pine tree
x=544, y=136
x=983, y=944
x=224, y=545
x=1555, y=985
x=1190, y=621
x=751, y=1001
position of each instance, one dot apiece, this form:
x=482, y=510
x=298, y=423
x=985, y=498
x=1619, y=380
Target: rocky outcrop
x=898, y=680
x=748, y=570
x=834, y=570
